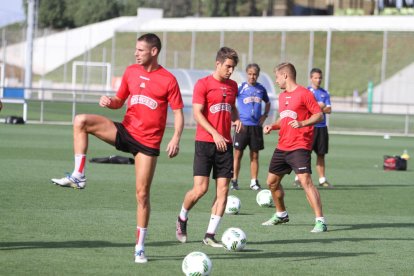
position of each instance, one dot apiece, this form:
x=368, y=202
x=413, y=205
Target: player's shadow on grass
x=59, y=244
x=347, y=227
x=325, y=240
x=356, y=187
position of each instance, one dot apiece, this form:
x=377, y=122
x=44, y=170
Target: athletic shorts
x=207, y=157
x=126, y=143
x=251, y=136
x=320, y=140
x=283, y=162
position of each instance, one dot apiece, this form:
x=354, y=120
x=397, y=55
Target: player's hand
x=267, y=129
x=221, y=142
x=172, y=149
x=295, y=124
x=237, y=125
x=105, y=101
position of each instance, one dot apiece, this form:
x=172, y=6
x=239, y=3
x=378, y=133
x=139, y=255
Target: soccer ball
x=197, y=264
x=234, y=239
x=233, y=205
x=264, y=198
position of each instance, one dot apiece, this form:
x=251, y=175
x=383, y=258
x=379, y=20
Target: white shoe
x=255, y=186
x=70, y=181
x=140, y=257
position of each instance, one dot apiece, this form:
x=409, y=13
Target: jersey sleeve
x=199, y=93
x=123, y=91
x=265, y=95
x=174, y=95
x=311, y=103
x=328, y=99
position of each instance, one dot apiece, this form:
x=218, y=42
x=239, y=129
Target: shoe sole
x=279, y=222
x=182, y=239
x=71, y=185
x=141, y=261
x=215, y=245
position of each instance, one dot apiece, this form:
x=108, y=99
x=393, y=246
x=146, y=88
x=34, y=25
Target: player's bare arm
x=235, y=118
x=275, y=126
x=314, y=119
x=219, y=140
x=111, y=102
x=265, y=114
x=173, y=146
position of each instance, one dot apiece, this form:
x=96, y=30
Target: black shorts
x=207, y=157
x=251, y=136
x=283, y=162
x=126, y=143
x=320, y=140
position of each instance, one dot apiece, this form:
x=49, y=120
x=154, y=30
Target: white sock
x=80, y=162
x=183, y=214
x=213, y=224
x=252, y=182
x=321, y=219
x=322, y=180
x=141, y=233
x=281, y=214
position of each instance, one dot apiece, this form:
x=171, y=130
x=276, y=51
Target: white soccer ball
x=233, y=205
x=234, y=239
x=264, y=198
x=197, y=264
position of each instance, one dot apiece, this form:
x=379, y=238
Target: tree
x=91, y=11
x=51, y=14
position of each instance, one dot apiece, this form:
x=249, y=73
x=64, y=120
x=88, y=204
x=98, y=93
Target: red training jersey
x=149, y=94
x=300, y=104
x=217, y=98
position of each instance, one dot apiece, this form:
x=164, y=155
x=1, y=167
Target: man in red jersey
x=149, y=88
x=214, y=110
x=299, y=111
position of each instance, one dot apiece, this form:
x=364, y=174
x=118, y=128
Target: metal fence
x=350, y=60
x=59, y=106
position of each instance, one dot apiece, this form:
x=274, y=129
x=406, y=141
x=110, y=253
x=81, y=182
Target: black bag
x=14, y=120
x=113, y=159
x=394, y=163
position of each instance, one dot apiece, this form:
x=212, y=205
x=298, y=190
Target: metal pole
x=283, y=47
x=311, y=50
x=221, y=39
x=250, y=59
x=383, y=66
x=192, y=53
x=328, y=59
x=29, y=53
x=113, y=50
x=164, y=48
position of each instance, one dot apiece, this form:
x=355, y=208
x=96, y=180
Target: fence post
x=370, y=95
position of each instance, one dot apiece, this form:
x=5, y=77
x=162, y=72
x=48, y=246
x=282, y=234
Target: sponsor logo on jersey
x=248, y=100
x=141, y=99
x=220, y=107
x=288, y=114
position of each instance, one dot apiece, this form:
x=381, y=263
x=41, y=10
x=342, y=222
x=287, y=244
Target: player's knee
x=79, y=121
x=142, y=197
x=200, y=191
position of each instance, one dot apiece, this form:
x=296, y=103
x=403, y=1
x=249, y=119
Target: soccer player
x=214, y=110
x=320, y=136
x=299, y=111
x=250, y=96
x=149, y=88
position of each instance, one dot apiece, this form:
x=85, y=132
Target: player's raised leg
x=281, y=215
x=83, y=125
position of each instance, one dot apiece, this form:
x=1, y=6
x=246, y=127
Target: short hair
x=315, y=70
x=288, y=68
x=152, y=39
x=253, y=65
x=227, y=53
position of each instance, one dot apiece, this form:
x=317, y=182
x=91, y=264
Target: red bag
x=394, y=163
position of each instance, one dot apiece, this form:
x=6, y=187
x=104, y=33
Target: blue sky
x=11, y=11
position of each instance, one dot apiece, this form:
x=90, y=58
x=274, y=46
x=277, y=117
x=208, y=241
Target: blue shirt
x=321, y=95
x=249, y=102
